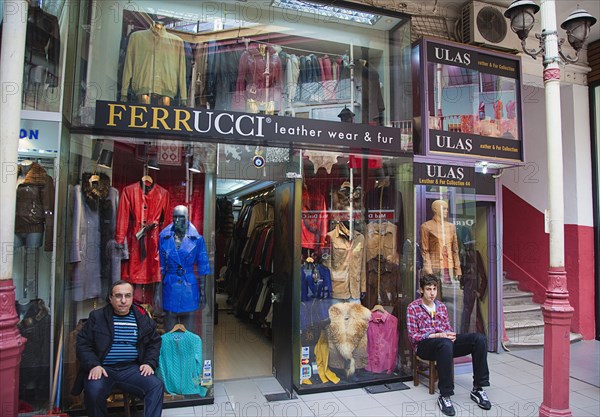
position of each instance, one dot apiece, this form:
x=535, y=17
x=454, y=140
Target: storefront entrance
x=254, y=262
x=470, y=281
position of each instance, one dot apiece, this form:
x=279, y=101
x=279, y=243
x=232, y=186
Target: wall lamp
x=577, y=25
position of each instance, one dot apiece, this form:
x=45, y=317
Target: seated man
x=126, y=360
x=432, y=338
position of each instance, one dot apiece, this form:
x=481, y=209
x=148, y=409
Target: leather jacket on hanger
x=143, y=213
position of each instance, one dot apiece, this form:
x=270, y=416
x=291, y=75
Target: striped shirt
x=124, y=344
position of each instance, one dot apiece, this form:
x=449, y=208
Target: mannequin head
x=180, y=219
x=440, y=209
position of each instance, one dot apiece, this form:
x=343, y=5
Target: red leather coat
x=136, y=211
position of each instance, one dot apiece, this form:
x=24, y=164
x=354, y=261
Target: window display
x=252, y=62
x=138, y=217
x=474, y=103
x=448, y=250
x=42, y=68
x=32, y=266
x=354, y=283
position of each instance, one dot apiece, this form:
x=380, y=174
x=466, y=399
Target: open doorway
x=245, y=248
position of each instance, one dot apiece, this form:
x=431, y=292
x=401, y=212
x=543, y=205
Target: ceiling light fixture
x=340, y=13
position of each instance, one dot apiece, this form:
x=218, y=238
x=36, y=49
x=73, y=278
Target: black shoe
x=446, y=406
x=481, y=398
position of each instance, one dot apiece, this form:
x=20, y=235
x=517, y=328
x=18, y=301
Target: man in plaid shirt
x=432, y=338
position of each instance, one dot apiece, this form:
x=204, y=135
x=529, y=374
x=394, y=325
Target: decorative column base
x=557, y=314
x=11, y=348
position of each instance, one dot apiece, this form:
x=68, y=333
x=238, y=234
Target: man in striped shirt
x=118, y=347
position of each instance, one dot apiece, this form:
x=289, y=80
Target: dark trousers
x=129, y=379
x=442, y=350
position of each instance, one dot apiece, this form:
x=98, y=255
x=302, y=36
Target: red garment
x=136, y=210
x=373, y=162
x=314, y=219
x=257, y=82
x=382, y=342
x=326, y=68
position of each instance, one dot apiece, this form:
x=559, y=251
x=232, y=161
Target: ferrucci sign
x=200, y=124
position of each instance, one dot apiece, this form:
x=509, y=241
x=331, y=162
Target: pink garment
x=382, y=342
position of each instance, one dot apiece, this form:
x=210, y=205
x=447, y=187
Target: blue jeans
x=129, y=379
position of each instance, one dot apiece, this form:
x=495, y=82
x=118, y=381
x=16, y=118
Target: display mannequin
x=155, y=66
x=439, y=244
x=34, y=219
x=474, y=286
x=181, y=250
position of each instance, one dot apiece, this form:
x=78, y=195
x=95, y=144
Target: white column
x=11, y=86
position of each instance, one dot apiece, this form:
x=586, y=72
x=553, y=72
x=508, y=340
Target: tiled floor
x=516, y=391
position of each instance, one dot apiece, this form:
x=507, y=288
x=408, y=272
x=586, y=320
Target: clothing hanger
x=378, y=307
x=178, y=328
x=147, y=178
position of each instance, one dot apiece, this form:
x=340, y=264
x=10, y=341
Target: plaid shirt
x=420, y=324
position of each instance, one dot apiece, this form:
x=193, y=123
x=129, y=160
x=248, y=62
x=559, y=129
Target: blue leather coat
x=181, y=292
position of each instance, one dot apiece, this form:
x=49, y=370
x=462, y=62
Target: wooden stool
x=429, y=371
x=127, y=401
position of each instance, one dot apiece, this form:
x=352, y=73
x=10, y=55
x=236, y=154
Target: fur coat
x=347, y=336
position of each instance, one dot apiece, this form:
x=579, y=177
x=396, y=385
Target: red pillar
x=557, y=345
x=11, y=348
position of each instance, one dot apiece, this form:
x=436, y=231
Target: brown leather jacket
x=439, y=247
x=35, y=204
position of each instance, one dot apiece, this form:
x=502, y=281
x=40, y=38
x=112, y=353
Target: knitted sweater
x=180, y=363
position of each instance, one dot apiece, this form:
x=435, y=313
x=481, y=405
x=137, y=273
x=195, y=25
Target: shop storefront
x=311, y=147
x=468, y=127
x=183, y=104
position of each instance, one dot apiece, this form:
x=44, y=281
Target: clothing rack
x=247, y=41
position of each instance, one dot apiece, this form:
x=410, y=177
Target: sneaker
x=445, y=404
x=481, y=398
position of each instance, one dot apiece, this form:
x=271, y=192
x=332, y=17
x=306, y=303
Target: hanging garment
x=314, y=219
x=181, y=289
x=382, y=241
x=259, y=79
x=180, y=363
x=316, y=282
x=384, y=202
x=384, y=284
x=141, y=214
x=382, y=342
x=94, y=212
x=346, y=262
x=155, y=64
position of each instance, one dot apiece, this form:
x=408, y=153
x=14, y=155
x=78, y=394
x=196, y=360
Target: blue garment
x=180, y=363
x=180, y=289
x=316, y=282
